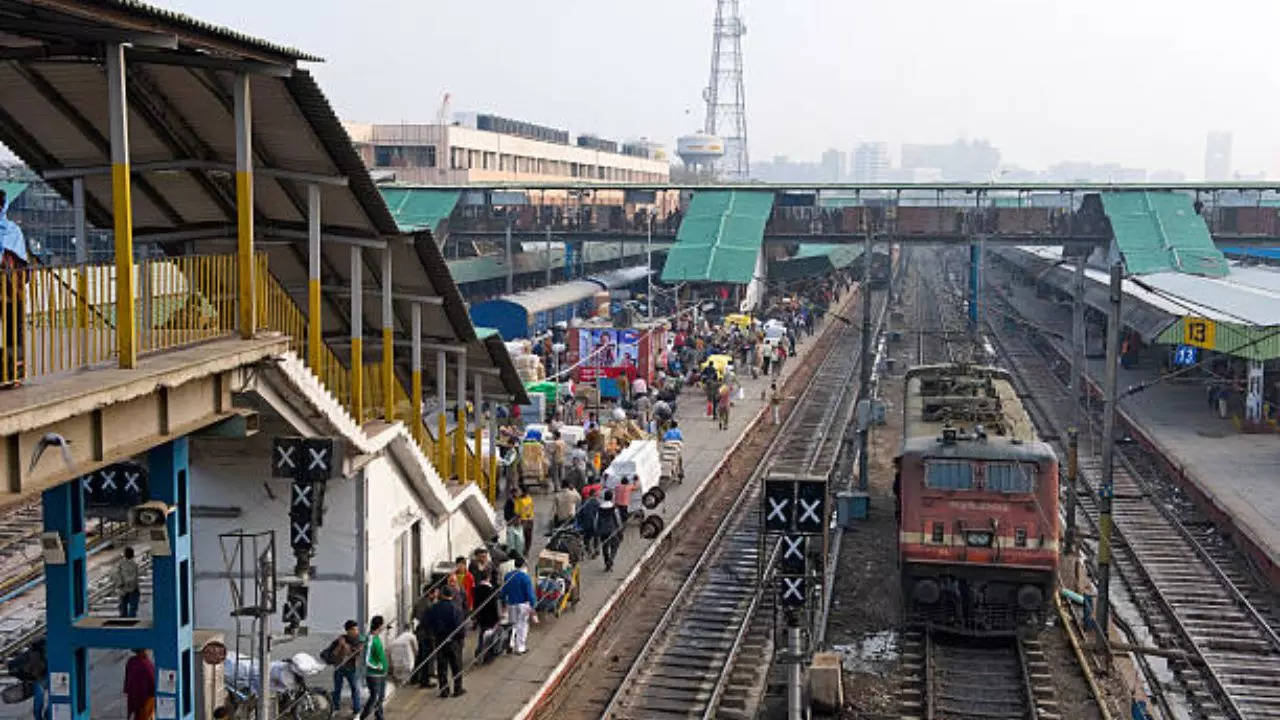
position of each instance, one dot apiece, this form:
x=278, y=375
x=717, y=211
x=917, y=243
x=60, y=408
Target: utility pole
x=864, y=391
x=1077, y=386
x=648, y=266
x=548, y=253
x=1107, y=489
x=510, y=258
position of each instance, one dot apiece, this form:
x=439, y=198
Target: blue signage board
x=1185, y=355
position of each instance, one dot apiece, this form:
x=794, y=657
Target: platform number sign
x=1186, y=355
x=792, y=590
x=1198, y=331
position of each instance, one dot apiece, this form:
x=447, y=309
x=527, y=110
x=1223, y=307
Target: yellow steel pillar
x=415, y=390
x=388, y=338
x=442, y=417
x=314, y=322
x=121, y=208
x=460, y=436
x=479, y=437
x=246, y=292
x=357, y=336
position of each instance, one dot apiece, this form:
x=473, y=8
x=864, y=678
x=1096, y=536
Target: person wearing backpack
x=342, y=654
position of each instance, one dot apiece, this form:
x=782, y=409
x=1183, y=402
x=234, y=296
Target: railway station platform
x=499, y=690
x=1233, y=473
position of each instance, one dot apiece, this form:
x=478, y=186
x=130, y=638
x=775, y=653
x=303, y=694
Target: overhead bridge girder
x=107, y=415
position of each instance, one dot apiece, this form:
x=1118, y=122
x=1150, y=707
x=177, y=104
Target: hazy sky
x=1132, y=81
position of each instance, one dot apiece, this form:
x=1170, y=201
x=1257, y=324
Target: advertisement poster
x=609, y=352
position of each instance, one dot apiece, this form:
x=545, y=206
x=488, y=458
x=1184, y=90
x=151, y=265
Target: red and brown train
x=977, y=501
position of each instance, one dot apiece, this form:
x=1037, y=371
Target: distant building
x=958, y=161
x=1217, y=156
x=1165, y=175
x=783, y=169
x=870, y=162
x=48, y=220
x=1094, y=172
x=488, y=148
x=833, y=166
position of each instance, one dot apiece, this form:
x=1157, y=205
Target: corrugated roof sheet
x=1160, y=231
x=719, y=239
x=814, y=259
x=419, y=209
x=620, y=278
x=12, y=190
x=1249, y=296
x=153, y=12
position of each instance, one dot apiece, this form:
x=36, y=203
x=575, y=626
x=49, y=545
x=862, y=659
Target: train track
x=966, y=678
x=688, y=666
x=1167, y=555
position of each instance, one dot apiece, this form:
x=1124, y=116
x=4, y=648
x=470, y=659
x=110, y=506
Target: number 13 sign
x=1199, y=332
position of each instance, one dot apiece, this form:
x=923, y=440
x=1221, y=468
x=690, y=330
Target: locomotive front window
x=949, y=475
x=1010, y=477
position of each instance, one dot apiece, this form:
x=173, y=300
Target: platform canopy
x=1161, y=231
x=417, y=209
x=180, y=76
x=814, y=260
x=719, y=238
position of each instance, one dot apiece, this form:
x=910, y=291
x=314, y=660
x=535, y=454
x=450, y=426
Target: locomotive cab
x=977, y=503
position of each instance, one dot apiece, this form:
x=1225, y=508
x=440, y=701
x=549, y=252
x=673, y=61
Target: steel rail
x=732, y=517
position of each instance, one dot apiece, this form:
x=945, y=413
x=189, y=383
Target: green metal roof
x=13, y=189
x=419, y=209
x=720, y=237
x=814, y=259
x=1161, y=232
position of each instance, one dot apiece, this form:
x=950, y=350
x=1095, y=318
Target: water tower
x=700, y=151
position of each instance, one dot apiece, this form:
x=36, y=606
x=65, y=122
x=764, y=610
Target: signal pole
x=864, y=369
x=1077, y=385
x=1107, y=489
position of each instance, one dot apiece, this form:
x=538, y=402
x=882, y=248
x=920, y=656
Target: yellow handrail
x=280, y=312
x=57, y=319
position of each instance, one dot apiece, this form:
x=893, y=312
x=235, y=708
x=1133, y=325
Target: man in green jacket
x=375, y=669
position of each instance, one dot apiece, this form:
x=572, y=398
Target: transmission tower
x=725, y=96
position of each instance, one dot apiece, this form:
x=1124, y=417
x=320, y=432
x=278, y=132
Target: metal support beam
x=388, y=341
x=1106, y=490
x=357, y=335
x=197, y=164
x=67, y=599
x=510, y=259
x=121, y=208
x=442, y=418
x=975, y=280
x=477, y=403
x=173, y=617
x=315, y=323
x=460, y=436
x=415, y=376
x=547, y=255
x=77, y=210
x=246, y=292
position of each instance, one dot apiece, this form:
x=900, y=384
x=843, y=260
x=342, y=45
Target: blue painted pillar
x=172, y=621
x=66, y=601
x=975, y=269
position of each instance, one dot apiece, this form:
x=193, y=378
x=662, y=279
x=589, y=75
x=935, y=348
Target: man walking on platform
x=375, y=669
x=608, y=529
x=125, y=576
x=447, y=624
x=517, y=593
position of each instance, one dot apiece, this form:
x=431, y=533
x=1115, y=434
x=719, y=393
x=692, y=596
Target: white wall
x=235, y=473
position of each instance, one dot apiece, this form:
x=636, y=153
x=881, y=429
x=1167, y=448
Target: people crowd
x=484, y=607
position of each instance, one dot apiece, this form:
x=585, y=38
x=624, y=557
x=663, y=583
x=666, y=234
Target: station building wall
x=232, y=490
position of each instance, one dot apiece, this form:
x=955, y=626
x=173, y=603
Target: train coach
x=978, y=504
x=533, y=312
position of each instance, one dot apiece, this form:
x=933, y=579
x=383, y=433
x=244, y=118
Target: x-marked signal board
x=299, y=458
x=795, y=510
x=794, y=505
